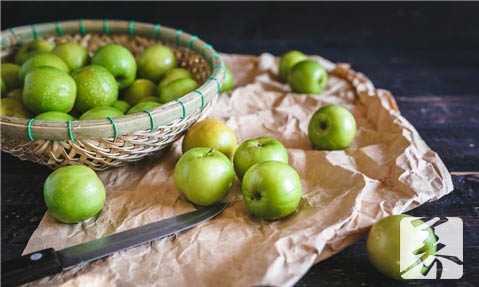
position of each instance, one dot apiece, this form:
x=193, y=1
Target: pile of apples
x=61, y=83
x=205, y=173
x=271, y=188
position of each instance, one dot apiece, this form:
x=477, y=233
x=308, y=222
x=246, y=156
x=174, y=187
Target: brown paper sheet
x=388, y=169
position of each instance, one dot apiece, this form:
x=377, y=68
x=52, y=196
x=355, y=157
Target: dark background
x=427, y=54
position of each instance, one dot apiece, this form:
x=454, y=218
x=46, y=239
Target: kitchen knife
x=47, y=262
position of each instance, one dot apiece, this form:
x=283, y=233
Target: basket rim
x=165, y=114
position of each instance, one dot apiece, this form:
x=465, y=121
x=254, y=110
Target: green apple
x=32, y=48
x=308, y=77
x=74, y=55
x=332, y=127
x=388, y=238
x=287, y=61
x=228, y=81
x=176, y=89
x=49, y=89
x=42, y=60
x=155, y=62
x=96, y=87
x=121, y=106
x=119, y=61
x=143, y=106
x=175, y=74
x=10, y=76
x=54, y=117
x=257, y=150
x=11, y=107
x=101, y=113
x=16, y=94
x=210, y=133
x=141, y=88
x=73, y=193
x=150, y=99
x=204, y=176
x=3, y=88
x=271, y=189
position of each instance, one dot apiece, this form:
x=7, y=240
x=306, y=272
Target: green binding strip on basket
x=219, y=66
x=210, y=59
x=34, y=31
x=192, y=39
x=182, y=105
x=151, y=119
x=70, y=131
x=59, y=28
x=202, y=98
x=114, y=126
x=14, y=36
x=82, y=27
x=203, y=49
x=132, y=27
x=29, y=131
x=106, y=26
x=218, y=82
x=156, y=31
x=177, y=37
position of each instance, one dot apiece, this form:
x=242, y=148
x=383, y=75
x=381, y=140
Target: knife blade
x=47, y=262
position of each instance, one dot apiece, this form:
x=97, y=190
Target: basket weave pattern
x=102, y=153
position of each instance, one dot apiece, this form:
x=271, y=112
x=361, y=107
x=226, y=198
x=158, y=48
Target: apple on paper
x=271, y=190
x=258, y=150
x=204, y=176
x=308, y=77
x=332, y=128
x=287, y=61
x=210, y=133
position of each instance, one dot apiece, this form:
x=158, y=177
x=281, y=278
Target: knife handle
x=30, y=267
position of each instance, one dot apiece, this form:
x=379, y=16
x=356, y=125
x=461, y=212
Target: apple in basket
x=74, y=55
x=10, y=76
x=140, y=89
x=42, y=60
x=332, y=128
x=32, y=48
x=96, y=87
x=155, y=62
x=119, y=61
x=12, y=107
x=204, y=176
x=49, y=89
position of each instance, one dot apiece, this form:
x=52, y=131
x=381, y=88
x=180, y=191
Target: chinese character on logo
x=419, y=260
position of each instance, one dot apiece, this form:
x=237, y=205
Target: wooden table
x=435, y=83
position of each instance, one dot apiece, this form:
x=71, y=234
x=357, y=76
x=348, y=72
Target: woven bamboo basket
x=101, y=144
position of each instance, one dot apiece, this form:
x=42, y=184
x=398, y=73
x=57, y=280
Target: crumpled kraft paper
x=388, y=169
